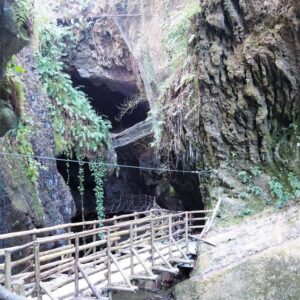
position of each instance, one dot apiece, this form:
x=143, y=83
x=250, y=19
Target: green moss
x=18, y=184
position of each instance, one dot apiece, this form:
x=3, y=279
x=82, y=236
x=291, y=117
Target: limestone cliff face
x=234, y=96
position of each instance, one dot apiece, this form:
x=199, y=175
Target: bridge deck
x=84, y=260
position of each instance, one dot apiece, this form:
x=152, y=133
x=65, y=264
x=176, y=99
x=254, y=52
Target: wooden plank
x=88, y=281
x=202, y=240
x=47, y=291
x=150, y=273
x=179, y=249
x=76, y=261
x=37, y=270
x=120, y=270
x=7, y=270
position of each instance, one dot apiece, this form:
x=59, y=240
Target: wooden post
x=115, y=223
x=69, y=239
x=131, y=251
x=69, y=243
x=7, y=267
x=187, y=231
x=170, y=236
x=94, y=238
x=34, y=236
x=135, y=226
x=76, y=265
x=152, y=242
x=37, y=270
x=108, y=259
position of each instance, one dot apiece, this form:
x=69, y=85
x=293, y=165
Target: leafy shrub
x=244, y=176
x=295, y=184
x=279, y=192
x=255, y=190
x=21, y=9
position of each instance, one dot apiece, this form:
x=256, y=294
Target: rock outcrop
x=258, y=259
x=11, y=41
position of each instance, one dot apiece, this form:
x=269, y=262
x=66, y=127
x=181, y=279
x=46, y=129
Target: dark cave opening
x=107, y=102
x=173, y=191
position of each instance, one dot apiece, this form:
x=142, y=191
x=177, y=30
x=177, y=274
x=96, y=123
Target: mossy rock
x=273, y=274
x=8, y=119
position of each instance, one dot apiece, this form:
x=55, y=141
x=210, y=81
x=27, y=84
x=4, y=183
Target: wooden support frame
x=85, y=276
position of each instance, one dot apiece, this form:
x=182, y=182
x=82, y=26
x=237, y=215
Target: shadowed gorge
x=170, y=130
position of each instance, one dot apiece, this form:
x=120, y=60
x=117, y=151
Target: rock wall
x=237, y=97
x=247, y=56
x=24, y=205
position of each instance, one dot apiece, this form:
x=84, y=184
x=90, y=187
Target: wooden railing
x=77, y=251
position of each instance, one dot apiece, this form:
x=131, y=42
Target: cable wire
x=105, y=164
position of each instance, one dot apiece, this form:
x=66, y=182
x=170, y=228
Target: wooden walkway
x=83, y=260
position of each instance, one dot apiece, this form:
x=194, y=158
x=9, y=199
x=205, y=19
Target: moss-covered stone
x=258, y=258
x=274, y=274
x=8, y=119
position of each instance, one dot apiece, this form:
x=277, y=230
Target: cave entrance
x=107, y=98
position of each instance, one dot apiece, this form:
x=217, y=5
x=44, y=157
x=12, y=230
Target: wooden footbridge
x=89, y=260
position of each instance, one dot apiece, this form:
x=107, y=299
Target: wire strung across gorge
x=18, y=155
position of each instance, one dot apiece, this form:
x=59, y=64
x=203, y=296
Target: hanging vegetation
x=79, y=131
x=98, y=171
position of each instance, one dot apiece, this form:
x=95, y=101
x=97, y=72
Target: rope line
x=18, y=155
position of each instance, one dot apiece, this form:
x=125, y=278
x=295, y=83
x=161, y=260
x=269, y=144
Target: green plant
x=245, y=177
x=279, y=192
x=81, y=187
x=177, y=33
x=246, y=212
x=242, y=195
x=255, y=190
x=98, y=171
x=295, y=184
x=25, y=148
x=21, y=9
x=13, y=68
x=255, y=171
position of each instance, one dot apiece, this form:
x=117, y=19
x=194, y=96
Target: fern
x=21, y=12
